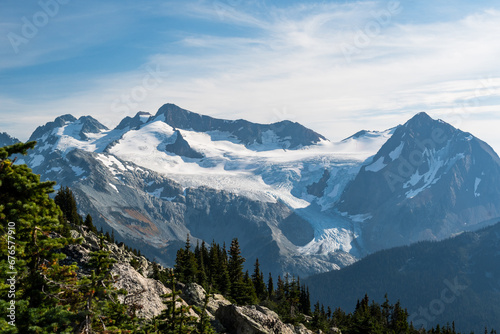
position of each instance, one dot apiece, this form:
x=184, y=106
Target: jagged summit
x=90, y=125
x=421, y=117
x=58, y=122
x=286, y=134
x=82, y=127
x=134, y=122
x=6, y=139
x=426, y=170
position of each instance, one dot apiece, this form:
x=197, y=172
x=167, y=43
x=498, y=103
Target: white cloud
x=292, y=64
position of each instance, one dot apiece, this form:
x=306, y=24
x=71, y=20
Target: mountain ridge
x=146, y=179
x=423, y=173
x=456, y=279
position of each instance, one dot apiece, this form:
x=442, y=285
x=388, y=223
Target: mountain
x=457, y=279
x=286, y=134
x=6, y=139
x=154, y=179
x=298, y=202
x=427, y=182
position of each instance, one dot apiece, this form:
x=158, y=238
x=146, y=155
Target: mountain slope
x=284, y=134
x=6, y=139
x=428, y=181
x=457, y=279
x=300, y=203
x=153, y=184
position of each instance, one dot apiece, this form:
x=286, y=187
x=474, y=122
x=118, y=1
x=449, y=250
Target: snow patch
x=144, y=118
x=376, y=166
x=476, y=183
x=78, y=170
x=113, y=164
x=157, y=192
x=360, y=218
x=397, y=151
x=37, y=161
x=113, y=186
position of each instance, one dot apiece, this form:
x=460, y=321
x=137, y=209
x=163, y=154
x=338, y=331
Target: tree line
x=221, y=271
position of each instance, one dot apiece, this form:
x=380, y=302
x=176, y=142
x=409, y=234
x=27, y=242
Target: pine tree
x=27, y=217
x=204, y=325
x=175, y=318
x=190, y=268
x=224, y=280
x=66, y=201
x=270, y=287
x=258, y=281
x=201, y=276
x=235, y=263
x=214, y=266
x=102, y=310
x=238, y=291
x=89, y=223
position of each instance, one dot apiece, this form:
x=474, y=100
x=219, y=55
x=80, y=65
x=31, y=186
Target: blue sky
x=334, y=66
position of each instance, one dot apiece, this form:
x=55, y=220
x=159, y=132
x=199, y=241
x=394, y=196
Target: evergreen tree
x=102, y=310
x=224, y=280
x=204, y=325
x=175, y=319
x=258, y=281
x=201, y=277
x=235, y=262
x=270, y=286
x=89, y=223
x=27, y=217
x=66, y=201
x=238, y=290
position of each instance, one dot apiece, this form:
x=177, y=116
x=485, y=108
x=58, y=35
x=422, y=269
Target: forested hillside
x=457, y=279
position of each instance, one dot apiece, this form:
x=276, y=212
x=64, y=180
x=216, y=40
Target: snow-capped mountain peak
x=284, y=134
x=290, y=195
x=426, y=170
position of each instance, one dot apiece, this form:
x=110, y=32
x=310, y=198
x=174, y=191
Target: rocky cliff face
x=141, y=290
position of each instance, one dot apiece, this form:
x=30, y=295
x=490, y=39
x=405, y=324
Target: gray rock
x=194, y=294
x=144, y=292
x=254, y=320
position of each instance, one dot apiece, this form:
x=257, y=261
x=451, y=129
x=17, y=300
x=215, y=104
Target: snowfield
x=266, y=171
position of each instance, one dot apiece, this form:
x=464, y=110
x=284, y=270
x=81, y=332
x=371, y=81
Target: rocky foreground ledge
x=146, y=292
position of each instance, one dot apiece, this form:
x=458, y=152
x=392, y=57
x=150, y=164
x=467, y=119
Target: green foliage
x=28, y=219
x=99, y=308
x=175, y=319
x=66, y=201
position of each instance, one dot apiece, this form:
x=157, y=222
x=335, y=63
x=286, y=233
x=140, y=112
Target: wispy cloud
x=335, y=67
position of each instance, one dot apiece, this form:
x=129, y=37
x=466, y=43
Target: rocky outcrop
x=141, y=291
x=131, y=274
x=254, y=319
x=195, y=295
